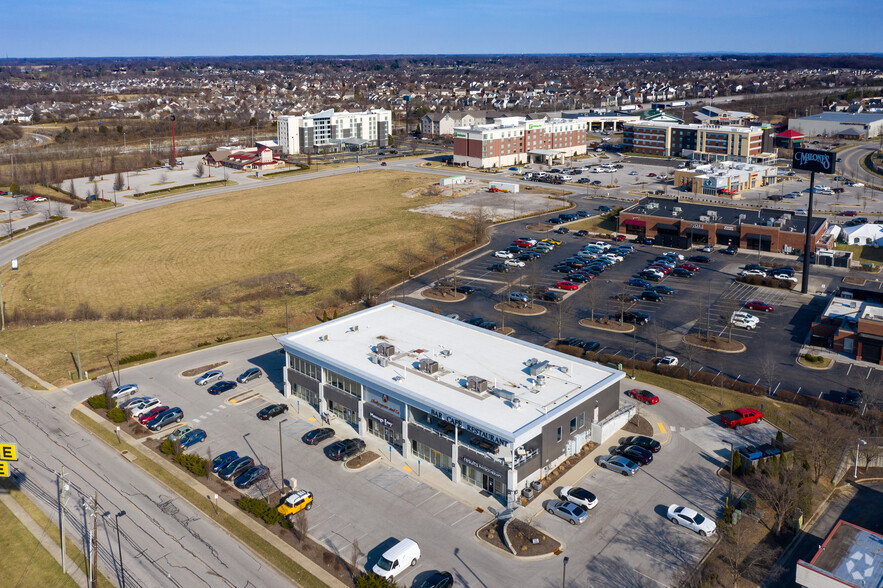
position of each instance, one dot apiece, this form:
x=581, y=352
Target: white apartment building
x=328, y=130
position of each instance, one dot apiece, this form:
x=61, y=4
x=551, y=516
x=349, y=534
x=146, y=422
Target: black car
x=591, y=346
x=754, y=266
x=465, y=289
x=555, y=221
x=562, y=230
x=341, y=450
x=582, y=213
x=223, y=460
x=639, y=318
x=274, y=410
x=438, y=580
x=316, y=436
x=489, y=325
x=514, y=249
x=551, y=296
x=575, y=263
x=562, y=268
x=578, y=278
x=499, y=267
x=664, y=290
x=643, y=442
x=637, y=454
x=700, y=259
x=574, y=341
x=235, y=467
x=626, y=297
x=728, y=251
x=475, y=321
x=221, y=387
x=251, y=476
x=682, y=272
x=581, y=233
x=651, y=276
x=604, y=208
x=652, y=296
x=784, y=269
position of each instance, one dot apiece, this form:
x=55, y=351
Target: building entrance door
x=487, y=483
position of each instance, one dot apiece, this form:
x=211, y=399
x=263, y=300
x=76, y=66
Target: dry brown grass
x=201, y=253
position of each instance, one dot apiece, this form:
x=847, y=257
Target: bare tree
x=355, y=554
x=362, y=288
x=779, y=485
x=478, y=223
x=119, y=182
x=10, y=230
x=200, y=169
x=73, y=189
x=823, y=451
x=301, y=525
x=164, y=177
x=592, y=296
x=409, y=258
x=740, y=554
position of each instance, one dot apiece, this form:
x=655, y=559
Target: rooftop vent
x=428, y=366
x=503, y=393
x=712, y=213
x=677, y=209
x=476, y=384
x=380, y=360
x=541, y=381
x=538, y=368
x=386, y=349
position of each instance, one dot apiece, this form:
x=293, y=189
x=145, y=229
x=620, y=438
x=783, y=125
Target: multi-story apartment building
x=518, y=140
x=700, y=141
x=329, y=130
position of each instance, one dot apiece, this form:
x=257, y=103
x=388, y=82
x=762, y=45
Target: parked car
x=618, y=463
x=251, y=476
x=570, y=512
x=295, y=502
x=499, y=267
x=635, y=453
x=565, y=285
x=740, y=417
x=650, y=275
x=759, y=305
x=645, y=396
x=579, y=496
x=652, y=296
x=682, y=273
x=179, y=432
x=728, y=251
x=341, y=450
x=209, y=376
x=668, y=360
x=269, y=412
x=143, y=406
x=249, y=375
x=193, y=437
x=172, y=415
x=633, y=316
x=397, y=558
x=503, y=254
x=438, y=580
x=124, y=391
x=152, y=412
x=221, y=387
x=132, y=402
x=664, y=290
x=316, y=436
x=648, y=443
x=700, y=259
x=639, y=283
x=235, y=467
x=687, y=517
x=224, y=460
x=514, y=263
x=752, y=272
x=551, y=296
x=465, y=290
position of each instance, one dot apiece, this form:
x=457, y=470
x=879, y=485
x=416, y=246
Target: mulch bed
x=434, y=294
x=541, y=228
x=715, y=343
x=561, y=470
x=607, y=325
x=520, y=536
x=639, y=426
x=362, y=460
x=203, y=369
x=132, y=427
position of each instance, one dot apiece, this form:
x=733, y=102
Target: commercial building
x=852, y=323
x=845, y=125
x=517, y=140
x=850, y=557
x=329, y=130
x=254, y=158
x=727, y=178
x=712, y=115
x=672, y=222
x=488, y=410
x=707, y=142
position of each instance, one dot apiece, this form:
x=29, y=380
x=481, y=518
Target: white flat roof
x=461, y=350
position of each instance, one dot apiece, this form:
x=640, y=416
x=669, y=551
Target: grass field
x=863, y=254
x=220, y=266
x=25, y=561
x=598, y=224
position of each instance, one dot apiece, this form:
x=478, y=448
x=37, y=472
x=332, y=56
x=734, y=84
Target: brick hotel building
x=517, y=140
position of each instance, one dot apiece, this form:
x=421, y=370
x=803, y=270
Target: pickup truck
x=740, y=416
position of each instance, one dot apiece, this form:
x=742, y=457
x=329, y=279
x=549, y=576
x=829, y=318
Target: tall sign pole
x=174, y=155
x=811, y=160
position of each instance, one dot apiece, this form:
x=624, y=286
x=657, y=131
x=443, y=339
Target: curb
x=743, y=350
x=510, y=555
x=542, y=310
x=583, y=323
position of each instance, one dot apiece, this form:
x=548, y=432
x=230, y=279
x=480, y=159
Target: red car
x=849, y=213
x=651, y=175
x=152, y=413
x=525, y=244
x=663, y=268
x=689, y=266
x=619, y=238
x=759, y=305
x=564, y=285
x=645, y=396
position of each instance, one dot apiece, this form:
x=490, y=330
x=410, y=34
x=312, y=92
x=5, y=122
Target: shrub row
x=764, y=281
x=138, y=357
x=260, y=509
x=117, y=415
x=98, y=401
x=197, y=465
x=813, y=358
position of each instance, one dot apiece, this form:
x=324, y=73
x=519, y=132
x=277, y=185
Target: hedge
x=138, y=357
x=98, y=401
x=117, y=415
x=260, y=509
x=198, y=466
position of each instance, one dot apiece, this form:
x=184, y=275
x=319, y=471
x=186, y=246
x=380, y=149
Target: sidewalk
x=22, y=369
x=45, y=540
x=241, y=516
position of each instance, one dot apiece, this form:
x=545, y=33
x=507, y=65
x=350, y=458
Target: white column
x=455, y=467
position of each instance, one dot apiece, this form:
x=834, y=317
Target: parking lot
x=397, y=498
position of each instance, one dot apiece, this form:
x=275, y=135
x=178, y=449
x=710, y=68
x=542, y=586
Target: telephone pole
x=95, y=541
x=61, y=521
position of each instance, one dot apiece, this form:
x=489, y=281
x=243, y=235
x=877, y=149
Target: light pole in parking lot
x=117, y=516
x=564, y=571
x=730, y=490
x=281, y=458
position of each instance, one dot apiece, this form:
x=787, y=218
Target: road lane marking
x=661, y=427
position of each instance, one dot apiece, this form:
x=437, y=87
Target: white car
x=144, y=406
x=674, y=255
x=124, y=390
x=687, y=517
x=633, y=173
x=579, y=496
x=791, y=279
x=668, y=360
x=209, y=376
x=655, y=272
x=857, y=185
x=601, y=244
x=613, y=257
x=752, y=273
x=744, y=320
x=503, y=254
x=565, y=177
x=514, y=263
x=800, y=211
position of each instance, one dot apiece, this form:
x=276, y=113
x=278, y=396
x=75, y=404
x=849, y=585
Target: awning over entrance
x=666, y=227
x=869, y=338
x=728, y=234
x=633, y=222
x=756, y=237
x=696, y=232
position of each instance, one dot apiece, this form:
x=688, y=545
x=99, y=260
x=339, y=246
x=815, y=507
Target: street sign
x=8, y=452
x=814, y=160
x=4, y=469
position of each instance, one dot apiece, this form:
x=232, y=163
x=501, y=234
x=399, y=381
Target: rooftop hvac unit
x=712, y=213
x=476, y=384
x=516, y=403
x=769, y=222
x=541, y=381
x=386, y=349
x=703, y=219
x=538, y=368
x=674, y=213
x=428, y=365
x=742, y=216
x=786, y=216
x=382, y=361
x=503, y=393
x=652, y=205
x=677, y=209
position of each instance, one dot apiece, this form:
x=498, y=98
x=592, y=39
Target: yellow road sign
x=4, y=469
x=8, y=452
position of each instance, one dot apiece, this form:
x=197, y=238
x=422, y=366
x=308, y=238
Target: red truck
x=740, y=416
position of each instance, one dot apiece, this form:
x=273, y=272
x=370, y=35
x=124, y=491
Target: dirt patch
x=521, y=538
x=202, y=370
x=715, y=344
x=433, y=294
x=559, y=471
x=523, y=310
x=639, y=426
x=540, y=228
x=361, y=460
x=607, y=325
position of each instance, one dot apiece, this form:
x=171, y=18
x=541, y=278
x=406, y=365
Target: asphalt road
x=165, y=540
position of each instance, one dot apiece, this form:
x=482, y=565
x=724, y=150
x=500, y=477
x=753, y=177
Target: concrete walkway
x=23, y=370
x=45, y=540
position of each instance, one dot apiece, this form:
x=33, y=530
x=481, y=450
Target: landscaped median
x=284, y=558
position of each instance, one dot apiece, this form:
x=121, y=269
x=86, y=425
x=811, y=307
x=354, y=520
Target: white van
x=398, y=557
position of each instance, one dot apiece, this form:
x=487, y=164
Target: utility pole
x=62, y=513
x=2, y=308
x=117, y=516
x=118, y=357
x=79, y=368
x=281, y=458
x=95, y=541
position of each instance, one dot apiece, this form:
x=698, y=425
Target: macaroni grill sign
x=813, y=160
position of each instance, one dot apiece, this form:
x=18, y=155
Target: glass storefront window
x=305, y=394
x=343, y=383
x=344, y=413
x=486, y=482
x=431, y=456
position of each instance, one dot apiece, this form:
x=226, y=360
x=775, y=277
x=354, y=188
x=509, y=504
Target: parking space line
x=223, y=406
x=463, y=518
x=450, y=504
x=661, y=427
x=195, y=421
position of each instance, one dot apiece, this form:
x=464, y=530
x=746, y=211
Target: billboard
x=814, y=160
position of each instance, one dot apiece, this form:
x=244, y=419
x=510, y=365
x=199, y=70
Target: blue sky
x=98, y=28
